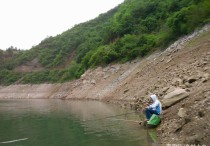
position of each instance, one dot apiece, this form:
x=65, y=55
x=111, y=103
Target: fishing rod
x=109, y=117
x=125, y=120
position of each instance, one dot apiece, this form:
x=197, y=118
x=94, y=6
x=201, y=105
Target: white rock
x=173, y=97
x=182, y=113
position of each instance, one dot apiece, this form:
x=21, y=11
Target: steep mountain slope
x=184, y=66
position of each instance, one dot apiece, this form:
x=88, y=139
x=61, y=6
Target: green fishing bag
x=154, y=120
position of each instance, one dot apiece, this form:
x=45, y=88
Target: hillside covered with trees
x=133, y=29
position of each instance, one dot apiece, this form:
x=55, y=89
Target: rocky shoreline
x=179, y=76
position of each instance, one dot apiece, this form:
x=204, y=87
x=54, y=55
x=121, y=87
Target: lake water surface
x=70, y=123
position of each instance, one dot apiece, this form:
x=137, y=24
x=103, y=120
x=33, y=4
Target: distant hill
x=132, y=29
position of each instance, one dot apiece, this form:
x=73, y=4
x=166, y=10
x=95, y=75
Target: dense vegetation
x=133, y=29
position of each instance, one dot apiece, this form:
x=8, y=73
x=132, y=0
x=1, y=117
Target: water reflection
x=57, y=122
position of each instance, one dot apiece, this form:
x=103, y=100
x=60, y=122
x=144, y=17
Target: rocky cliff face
x=179, y=76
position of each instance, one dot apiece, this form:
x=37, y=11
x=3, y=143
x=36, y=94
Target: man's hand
x=146, y=105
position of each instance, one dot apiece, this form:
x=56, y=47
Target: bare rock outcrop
x=173, y=97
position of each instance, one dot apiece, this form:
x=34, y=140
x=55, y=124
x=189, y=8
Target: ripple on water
x=64, y=123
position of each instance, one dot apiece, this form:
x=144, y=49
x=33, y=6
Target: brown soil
x=183, y=65
x=31, y=66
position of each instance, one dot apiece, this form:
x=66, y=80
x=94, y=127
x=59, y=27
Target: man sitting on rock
x=154, y=108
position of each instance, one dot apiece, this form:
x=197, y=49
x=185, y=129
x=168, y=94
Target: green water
x=70, y=123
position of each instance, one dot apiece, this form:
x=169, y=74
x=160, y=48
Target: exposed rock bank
x=180, y=76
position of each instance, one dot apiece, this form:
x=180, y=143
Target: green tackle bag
x=153, y=121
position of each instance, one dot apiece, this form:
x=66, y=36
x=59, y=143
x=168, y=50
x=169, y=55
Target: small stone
x=204, y=63
x=106, y=76
x=93, y=82
x=182, y=86
x=205, y=77
x=85, y=81
x=168, y=61
x=205, y=69
x=187, y=85
x=126, y=91
x=176, y=81
x=182, y=113
x=183, y=104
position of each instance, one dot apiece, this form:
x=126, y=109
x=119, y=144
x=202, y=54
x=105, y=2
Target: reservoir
x=39, y=122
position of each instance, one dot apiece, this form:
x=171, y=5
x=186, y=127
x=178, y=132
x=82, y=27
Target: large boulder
x=173, y=97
